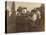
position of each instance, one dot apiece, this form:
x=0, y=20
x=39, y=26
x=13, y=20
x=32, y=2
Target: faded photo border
x=30, y=6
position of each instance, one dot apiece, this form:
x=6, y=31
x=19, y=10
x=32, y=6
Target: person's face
x=24, y=11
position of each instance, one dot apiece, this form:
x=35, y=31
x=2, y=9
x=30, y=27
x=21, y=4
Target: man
x=36, y=16
x=19, y=11
x=24, y=10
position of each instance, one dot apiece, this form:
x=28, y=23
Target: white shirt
x=35, y=15
x=34, y=18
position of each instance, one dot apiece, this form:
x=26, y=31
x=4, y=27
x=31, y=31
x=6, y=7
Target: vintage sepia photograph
x=24, y=17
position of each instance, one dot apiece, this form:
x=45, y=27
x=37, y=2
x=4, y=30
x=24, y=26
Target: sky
x=29, y=6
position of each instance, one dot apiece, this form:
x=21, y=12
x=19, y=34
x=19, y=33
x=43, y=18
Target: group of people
x=25, y=20
x=29, y=19
x=33, y=15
